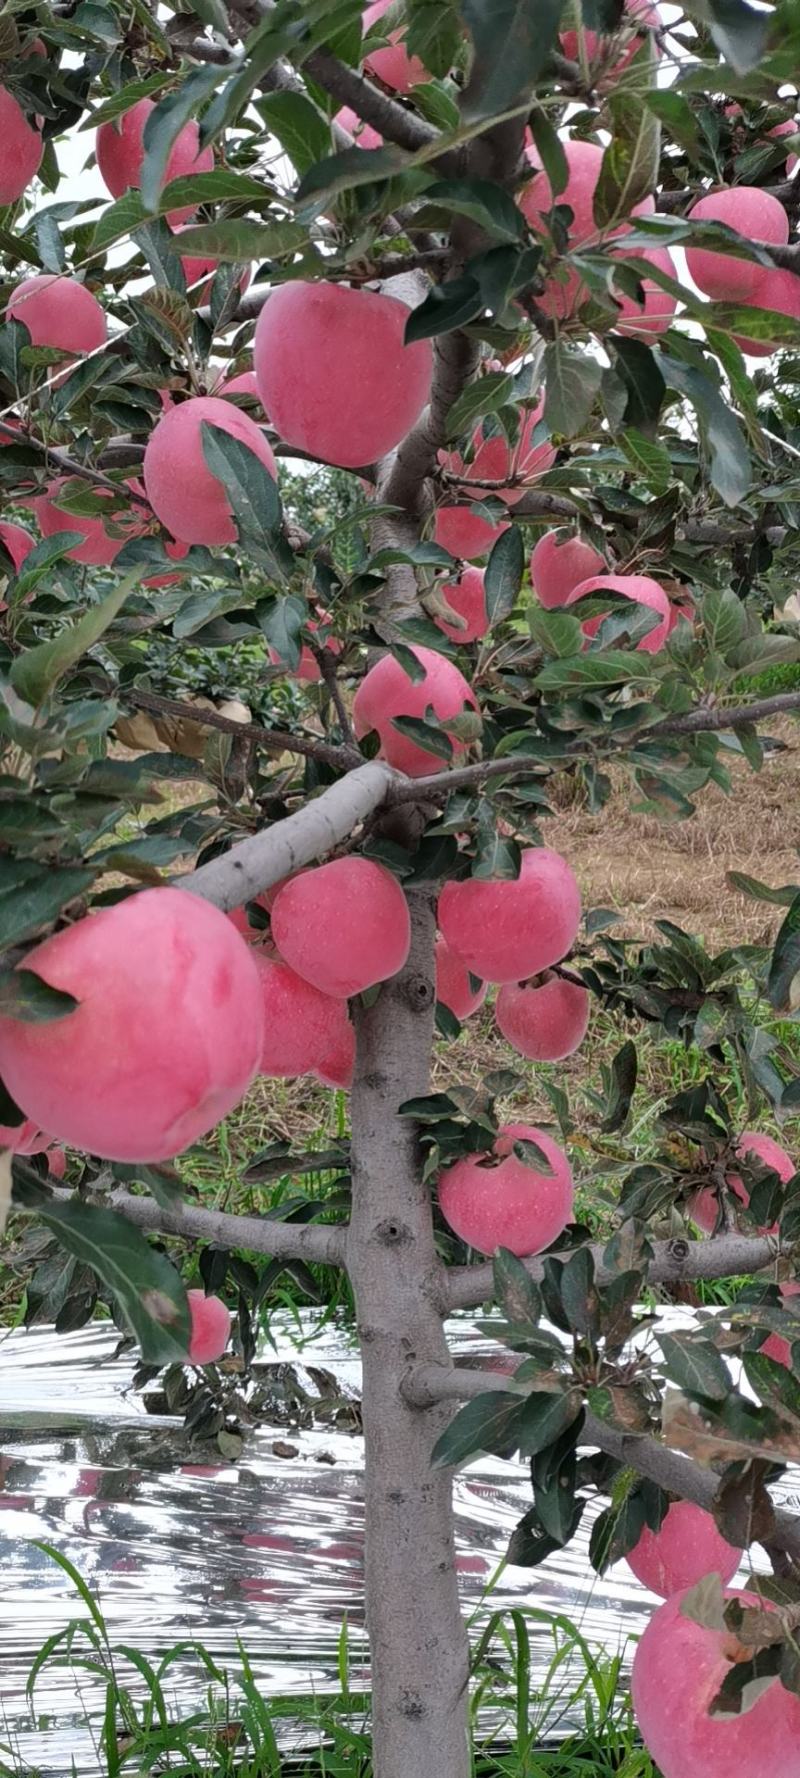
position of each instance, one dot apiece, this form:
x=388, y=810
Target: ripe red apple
x=334, y=374
x=99, y=548
x=495, y=460
x=18, y=542
x=183, y=492
x=58, y=312
x=337, y=1066
x=559, y=563
x=243, y=384
x=386, y=691
x=545, y=1020
x=344, y=926
x=491, y=1202
x=466, y=596
x=308, y=667
x=563, y=295
x=363, y=134
x=393, y=65
x=686, y=1547
x=657, y=307
x=56, y=1162
x=637, y=587
x=176, y=551
x=119, y=146
x=753, y=213
x=678, y=1669
x=775, y=290
x=509, y=928
x=165, y=1041
x=211, y=1327
x=453, y=986
x=703, y=1206
x=464, y=533
x=22, y=149
x=302, y=1026
x=775, y=1346
x=596, y=45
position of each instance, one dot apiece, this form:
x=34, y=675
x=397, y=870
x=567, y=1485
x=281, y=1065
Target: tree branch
x=675, y=1261
x=702, y=720
x=391, y=119
x=275, y=739
x=318, y=1242
x=258, y=862
x=430, y=1384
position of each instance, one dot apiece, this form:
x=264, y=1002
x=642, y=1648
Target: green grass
x=235, y=1732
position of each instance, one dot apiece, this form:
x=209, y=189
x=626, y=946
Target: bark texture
x=417, y=1637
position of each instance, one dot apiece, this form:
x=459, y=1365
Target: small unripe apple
x=686, y=1546
x=211, y=1327
x=344, y=926
x=507, y=929
x=495, y=1200
x=545, y=1020
x=386, y=691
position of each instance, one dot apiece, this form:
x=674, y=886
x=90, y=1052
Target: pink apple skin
x=510, y=1205
x=393, y=65
x=559, y=564
x=678, y=1669
x=165, y=1041
x=777, y=291
x=119, y=146
x=595, y=43
x=211, y=1327
x=686, y=1547
x=334, y=373
x=303, y=1027
x=183, y=492
x=776, y=1346
x=466, y=596
x=99, y=549
x=25, y=1138
x=464, y=533
x=545, y=1021
x=703, y=1206
x=494, y=460
x=344, y=926
x=58, y=312
x=505, y=930
x=386, y=691
x=563, y=295
x=453, y=986
x=363, y=134
x=753, y=213
x=654, y=313
x=643, y=591
x=22, y=149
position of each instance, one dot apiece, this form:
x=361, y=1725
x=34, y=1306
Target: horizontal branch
x=393, y=122
x=675, y=1261
x=428, y=1384
x=318, y=1242
x=256, y=863
x=705, y=719
x=276, y=740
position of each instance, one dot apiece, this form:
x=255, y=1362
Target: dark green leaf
x=695, y=1366
x=629, y=167
x=550, y=150
x=446, y=306
x=512, y=40
x=35, y=673
x=785, y=964
x=519, y=1298
x=729, y=459
x=164, y=125
x=572, y=382
x=24, y=995
x=504, y=571
x=621, y=1087
x=545, y=1416
x=300, y=128
x=489, y=1423
x=483, y=201
x=251, y=490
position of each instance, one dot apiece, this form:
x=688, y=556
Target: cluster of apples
x=565, y=568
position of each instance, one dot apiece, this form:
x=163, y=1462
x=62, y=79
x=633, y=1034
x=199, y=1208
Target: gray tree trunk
x=417, y=1637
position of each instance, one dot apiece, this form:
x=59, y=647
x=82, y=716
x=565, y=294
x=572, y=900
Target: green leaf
x=300, y=128
x=446, y=306
x=488, y=1424
x=251, y=490
x=649, y=458
x=739, y=31
x=550, y=150
x=434, y=35
x=785, y=964
x=583, y=672
x=165, y=124
x=484, y=396
x=518, y=1296
x=282, y=623
x=759, y=891
x=572, y=382
x=350, y=168
x=504, y=571
x=235, y=240
x=35, y=673
x=622, y=1078
x=484, y=202
x=729, y=458
x=123, y=100
x=638, y=367
x=25, y=996
x=144, y=1283
x=695, y=1366
x=512, y=40
x=674, y=111
x=430, y=738
x=629, y=168
x=31, y=898
x=44, y=554
x=545, y=1416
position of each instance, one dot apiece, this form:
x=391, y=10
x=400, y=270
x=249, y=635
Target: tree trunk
x=417, y=1638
